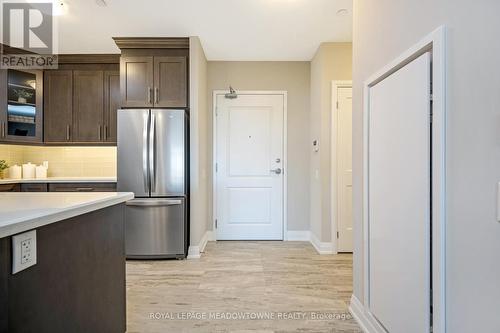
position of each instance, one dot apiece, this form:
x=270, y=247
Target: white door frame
x=285, y=152
x=334, y=172
x=435, y=43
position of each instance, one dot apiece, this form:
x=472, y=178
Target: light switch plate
x=23, y=251
x=316, y=145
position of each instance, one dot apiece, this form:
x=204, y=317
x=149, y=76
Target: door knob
x=276, y=171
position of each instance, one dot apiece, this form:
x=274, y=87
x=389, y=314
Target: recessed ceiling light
x=342, y=12
x=101, y=3
x=59, y=7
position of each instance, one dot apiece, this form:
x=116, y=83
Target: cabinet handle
x=3, y=131
x=149, y=96
x=105, y=132
x=84, y=189
x=99, y=132
x=156, y=95
x=68, y=133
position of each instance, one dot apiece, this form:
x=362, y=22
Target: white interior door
x=399, y=187
x=344, y=168
x=250, y=171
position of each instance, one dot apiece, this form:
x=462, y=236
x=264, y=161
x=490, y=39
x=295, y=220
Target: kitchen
x=88, y=137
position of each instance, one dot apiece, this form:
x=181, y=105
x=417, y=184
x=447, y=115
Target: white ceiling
x=228, y=29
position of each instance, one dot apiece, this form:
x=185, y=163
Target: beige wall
x=294, y=78
x=198, y=141
x=65, y=161
x=383, y=29
x=332, y=61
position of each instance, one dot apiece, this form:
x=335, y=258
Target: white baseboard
x=308, y=236
x=292, y=235
x=300, y=236
x=363, y=317
x=322, y=247
x=195, y=251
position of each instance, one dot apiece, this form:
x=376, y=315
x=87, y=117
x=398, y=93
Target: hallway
x=279, y=279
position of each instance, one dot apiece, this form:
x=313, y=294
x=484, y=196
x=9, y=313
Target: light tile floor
x=242, y=279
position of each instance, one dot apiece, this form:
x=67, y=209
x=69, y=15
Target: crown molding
x=7, y=49
x=152, y=42
x=88, y=58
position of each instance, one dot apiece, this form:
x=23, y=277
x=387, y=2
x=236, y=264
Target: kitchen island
x=78, y=281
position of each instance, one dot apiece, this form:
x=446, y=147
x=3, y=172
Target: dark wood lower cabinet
x=34, y=187
x=58, y=187
x=10, y=188
x=82, y=187
x=78, y=282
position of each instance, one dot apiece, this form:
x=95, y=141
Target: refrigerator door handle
x=152, y=152
x=145, y=153
x=154, y=203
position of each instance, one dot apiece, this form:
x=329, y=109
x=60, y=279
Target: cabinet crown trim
x=152, y=42
x=89, y=58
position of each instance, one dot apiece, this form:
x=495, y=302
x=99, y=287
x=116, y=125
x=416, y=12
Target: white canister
x=28, y=170
x=41, y=171
x=15, y=172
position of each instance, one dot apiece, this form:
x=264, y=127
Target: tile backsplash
x=65, y=161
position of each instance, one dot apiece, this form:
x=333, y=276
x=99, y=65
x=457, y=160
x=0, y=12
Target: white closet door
x=399, y=198
x=344, y=167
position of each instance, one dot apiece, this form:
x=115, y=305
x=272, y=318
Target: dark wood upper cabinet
x=112, y=100
x=136, y=81
x=75, y=104
x=170, y=82
x=153, y=81
x=58, y=105
x=88, y=107
x=21, y=110
x=81, y=106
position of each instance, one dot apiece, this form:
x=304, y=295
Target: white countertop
x=22, y=211
x=60, y=180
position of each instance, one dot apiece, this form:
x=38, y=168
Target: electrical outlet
x=23, y=251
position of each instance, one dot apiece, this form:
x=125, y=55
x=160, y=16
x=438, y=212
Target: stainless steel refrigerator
x=152, y=163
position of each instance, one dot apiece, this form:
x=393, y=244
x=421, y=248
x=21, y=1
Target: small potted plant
x=3, y=166
x=23, y=95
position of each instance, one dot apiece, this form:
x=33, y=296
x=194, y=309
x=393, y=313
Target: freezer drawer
x=154, y=228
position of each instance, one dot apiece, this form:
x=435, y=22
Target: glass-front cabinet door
x=21, y=118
